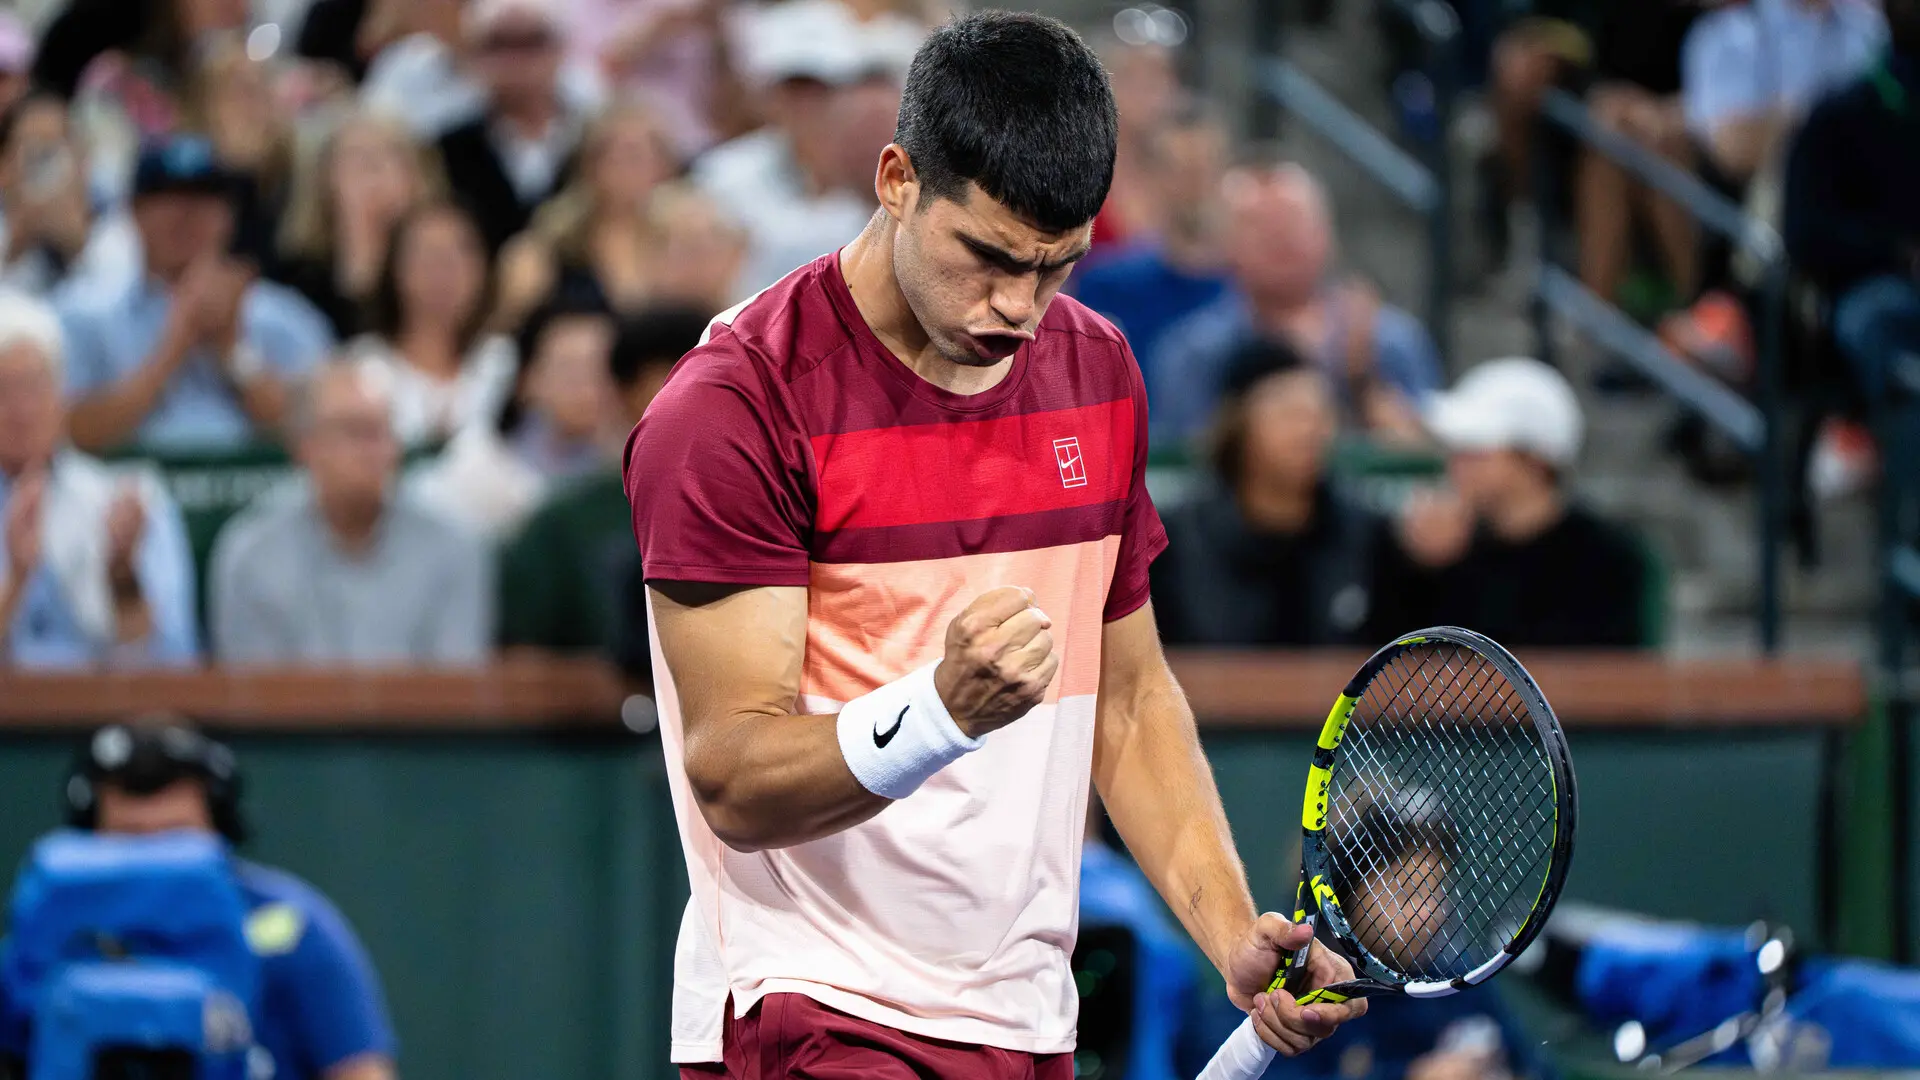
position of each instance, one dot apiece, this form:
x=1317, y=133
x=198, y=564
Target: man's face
x=1188, y=163
x=1290, y=421
x=518, y=57
x=1279, y=239
x=977, y=276
x=30, y=410
x=1485, y=479
x=178, y=228
x=180, y=805
x=349, y=448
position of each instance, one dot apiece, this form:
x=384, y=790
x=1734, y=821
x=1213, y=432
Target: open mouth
x=996, y=346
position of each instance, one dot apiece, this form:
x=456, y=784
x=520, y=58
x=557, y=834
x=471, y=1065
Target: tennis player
x=896, y=533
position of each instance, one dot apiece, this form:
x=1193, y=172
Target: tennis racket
x=1438, y=827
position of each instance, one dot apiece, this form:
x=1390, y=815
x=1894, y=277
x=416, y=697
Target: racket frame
x=1315, y=903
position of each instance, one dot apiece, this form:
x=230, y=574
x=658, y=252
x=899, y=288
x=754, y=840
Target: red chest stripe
x=973, y=469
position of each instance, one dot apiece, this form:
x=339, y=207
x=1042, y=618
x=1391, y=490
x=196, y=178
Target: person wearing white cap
x=1503, y=550
x=506, y=162
x=803, y=185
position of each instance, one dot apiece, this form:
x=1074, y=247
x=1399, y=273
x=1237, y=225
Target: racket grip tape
x=1242, y=1057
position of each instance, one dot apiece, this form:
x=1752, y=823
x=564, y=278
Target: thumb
x=1277, y=933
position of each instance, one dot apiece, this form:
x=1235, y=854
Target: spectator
x=513, y=157
x=1504, y=550
x=427, y=71
x=321, y=1014
x=1146, y=91
x=1149, y=285
x=340, y=571
x=565, y=422
x=195, y=352
x=151, y=45
x=705, y=246
x=50, y=233
x=1270, y=555
x=1851, y=218
x=1751, y=71
x=97, y=568
x=1552, y=43
x=677, y=55
x=1637, y=95
x=365, y=175
x=1279, y=247
x=595, y=236
x=554, y=574
x=428, y=321
x=232, y=102
x=803, y=185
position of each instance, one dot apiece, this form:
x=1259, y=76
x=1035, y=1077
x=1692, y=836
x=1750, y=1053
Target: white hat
x=1512, y=404
x=823, y=40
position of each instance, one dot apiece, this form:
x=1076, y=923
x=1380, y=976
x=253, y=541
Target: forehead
x=978, y=216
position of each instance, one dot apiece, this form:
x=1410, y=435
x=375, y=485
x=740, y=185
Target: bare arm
x=766, y=777
x=763, y=776
x=1159, y=790
x=108, y=417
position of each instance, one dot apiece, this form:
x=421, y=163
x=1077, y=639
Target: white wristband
x=899, y=735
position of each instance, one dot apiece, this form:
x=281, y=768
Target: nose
x=1015, y=298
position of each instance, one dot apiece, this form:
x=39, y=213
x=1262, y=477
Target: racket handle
x=1242, y=1057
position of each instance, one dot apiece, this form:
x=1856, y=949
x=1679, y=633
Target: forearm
x=775, y=780
x=1158, y=789
x=108, y=418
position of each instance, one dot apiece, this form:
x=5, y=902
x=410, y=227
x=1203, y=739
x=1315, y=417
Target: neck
x=867, y=264
x=1276, y=507
x=1525, y=515
x=352, y=525
x=433, y=349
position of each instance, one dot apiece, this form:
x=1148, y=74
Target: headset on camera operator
x=321, y=1014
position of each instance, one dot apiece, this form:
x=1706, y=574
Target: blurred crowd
x=439, y=254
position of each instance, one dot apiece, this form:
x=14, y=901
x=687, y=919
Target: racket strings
x=1440, y=823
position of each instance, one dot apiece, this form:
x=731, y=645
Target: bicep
x=731, y=651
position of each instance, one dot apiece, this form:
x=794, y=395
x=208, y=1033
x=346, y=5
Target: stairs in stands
x=1706, y=535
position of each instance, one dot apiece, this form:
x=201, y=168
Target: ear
x=895, y=184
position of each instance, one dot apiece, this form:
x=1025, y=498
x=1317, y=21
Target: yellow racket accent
x=1335, y=728
x=1313, y=812
x=1320, y=997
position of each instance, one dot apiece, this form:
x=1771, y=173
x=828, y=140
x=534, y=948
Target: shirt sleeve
x=87, y=366
x=1720, y=74
x=290, y=333
x=1142, y=537
x=1407, y=358
x=340, y=1012
x=719, y=476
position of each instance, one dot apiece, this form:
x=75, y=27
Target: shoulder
x=1215, y=325
x=431, y=532
x=272, y=304
x=287, y=914
x=1073, y=324
x=779, y=335
x=268, y=525
x=1733, y=27
x=95, y=301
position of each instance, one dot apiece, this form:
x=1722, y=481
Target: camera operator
x=322, y=1015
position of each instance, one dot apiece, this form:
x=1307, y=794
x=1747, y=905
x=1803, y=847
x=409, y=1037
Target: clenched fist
x=999, y=661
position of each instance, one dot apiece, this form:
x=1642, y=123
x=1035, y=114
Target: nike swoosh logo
x=882, y=738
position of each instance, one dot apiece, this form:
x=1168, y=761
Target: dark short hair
x=1251, y=363
x=383, y=314
x=656, y=337
x=565, y=303
x=1017, y=104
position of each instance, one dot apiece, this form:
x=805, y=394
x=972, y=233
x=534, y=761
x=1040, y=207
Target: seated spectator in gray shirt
x=342, y=571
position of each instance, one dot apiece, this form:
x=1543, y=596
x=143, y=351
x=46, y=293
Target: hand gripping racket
x=1438, y=827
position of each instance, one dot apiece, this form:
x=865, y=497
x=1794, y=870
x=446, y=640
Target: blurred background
x=1589, y=324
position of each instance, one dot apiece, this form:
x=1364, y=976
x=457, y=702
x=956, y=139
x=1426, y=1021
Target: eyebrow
x=1006, y=260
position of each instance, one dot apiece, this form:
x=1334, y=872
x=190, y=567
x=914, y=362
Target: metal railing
x=1423, y=183
x=1754, y=427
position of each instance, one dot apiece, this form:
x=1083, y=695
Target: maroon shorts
x=792, y=1036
